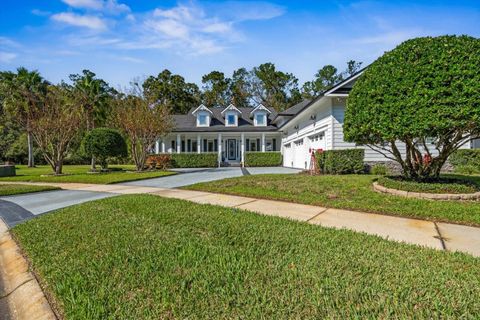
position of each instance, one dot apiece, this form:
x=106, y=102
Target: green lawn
x=10, y=189
x=147, y=257
x=353, y=192
x=78, y=174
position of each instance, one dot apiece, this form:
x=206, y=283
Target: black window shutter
x=173, y=145
x=215, y=145
x=258, y=145
x=274, y=144
x=248, y=144
x=205, y=145
x=183, y=145
x=189, y=145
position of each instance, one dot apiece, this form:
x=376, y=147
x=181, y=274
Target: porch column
x=219, y=143
x=263, y=142
x=179, y=143
x=163, y=145
x=157, y=147
x=199, y=144
x=242, y=149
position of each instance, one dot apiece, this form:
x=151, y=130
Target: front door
x=232, y=149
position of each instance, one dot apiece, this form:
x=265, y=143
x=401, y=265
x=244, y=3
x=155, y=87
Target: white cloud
x=130, y=59
x=86, y=21
x=107, y=6
x=85, y=4
x=6, y=42
x=7, y=57
x=41, y=13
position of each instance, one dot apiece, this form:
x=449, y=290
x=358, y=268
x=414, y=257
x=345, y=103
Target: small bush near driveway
x=263, y=159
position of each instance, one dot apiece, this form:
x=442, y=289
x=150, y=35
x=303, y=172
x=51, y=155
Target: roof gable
x=201, y=108
x=232, y=108
x=259, y=108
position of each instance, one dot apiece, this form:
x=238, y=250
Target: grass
x=146, y=257
x=11, y=189
x=354, y=192
x=78, y=174
x=442, y=185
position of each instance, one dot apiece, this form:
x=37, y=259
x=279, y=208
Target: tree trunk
x=58, y=167
x=31, y=161
x=93, y=164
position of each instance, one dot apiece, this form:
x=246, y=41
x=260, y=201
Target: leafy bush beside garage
x=263, y=159
x=341, y=161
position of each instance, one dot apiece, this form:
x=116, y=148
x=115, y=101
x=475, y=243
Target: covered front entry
x=230, y=147
x=232, y=150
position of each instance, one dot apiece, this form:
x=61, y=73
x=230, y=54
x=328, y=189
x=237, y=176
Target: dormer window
x=231, y=119
x=260, y=115
x=231, y=114
x=202, y=119
x=260, y=119
x=203, y=115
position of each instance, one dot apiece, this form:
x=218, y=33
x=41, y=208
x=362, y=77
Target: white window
x=299, y=142
x=202, y=119
x=260, y=119
x=231, y=119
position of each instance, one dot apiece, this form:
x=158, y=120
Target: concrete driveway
x=191, y=176
x=19, y=208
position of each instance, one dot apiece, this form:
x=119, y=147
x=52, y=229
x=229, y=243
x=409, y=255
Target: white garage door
x=299, y=154
x=287, y=155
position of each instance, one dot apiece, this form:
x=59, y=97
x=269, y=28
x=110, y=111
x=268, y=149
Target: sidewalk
x=442, y=236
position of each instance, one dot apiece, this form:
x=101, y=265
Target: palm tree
x=24, y=92
x=93, y=96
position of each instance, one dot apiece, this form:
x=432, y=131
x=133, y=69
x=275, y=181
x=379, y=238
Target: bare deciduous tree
x=56, y=123
x=142, y=122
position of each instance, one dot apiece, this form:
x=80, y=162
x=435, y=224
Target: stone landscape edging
x=423, y=195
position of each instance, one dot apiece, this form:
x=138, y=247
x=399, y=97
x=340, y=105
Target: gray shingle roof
x=188, y=122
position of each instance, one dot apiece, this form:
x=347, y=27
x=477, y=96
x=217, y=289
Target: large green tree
x=327, y=77
x=216, y=89
x=241, y=88
x=172, y=91
x=274, y=88
x=23, y=93
x=422, y=97
x=94, y=96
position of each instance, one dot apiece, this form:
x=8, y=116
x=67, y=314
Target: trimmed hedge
x=263, y=159
x=341, y=161
x=466, y=160
x=7, y=170
x=194, y=160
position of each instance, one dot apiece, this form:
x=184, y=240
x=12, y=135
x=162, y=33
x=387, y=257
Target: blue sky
x=121, y=40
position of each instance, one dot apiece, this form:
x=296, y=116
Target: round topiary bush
x=103, y=143
x=418, y=103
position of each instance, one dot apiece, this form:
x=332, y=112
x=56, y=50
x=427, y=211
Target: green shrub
x=440, y=185
x=467, y=169
x=7, y=170
x=379, y=169
x=194, y=160
x=103, y=143
x=263, y=159
x=466, y=161
x=424, y=88
x=341, y=161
